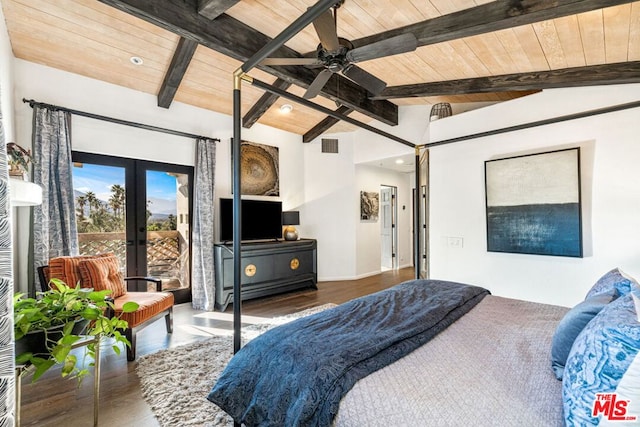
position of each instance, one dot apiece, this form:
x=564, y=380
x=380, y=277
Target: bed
x=484, y=361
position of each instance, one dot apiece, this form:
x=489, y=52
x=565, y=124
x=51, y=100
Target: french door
x=139, y=210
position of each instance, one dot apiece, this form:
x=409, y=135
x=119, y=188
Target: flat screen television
x=261, y=220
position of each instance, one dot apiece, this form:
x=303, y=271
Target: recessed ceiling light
x=399, y=161
x=286, y=108
x=136, y=60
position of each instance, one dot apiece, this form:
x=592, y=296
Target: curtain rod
x=568, y=117
x=33, y=103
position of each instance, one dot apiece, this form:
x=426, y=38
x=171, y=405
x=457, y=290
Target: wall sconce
x=289, y=219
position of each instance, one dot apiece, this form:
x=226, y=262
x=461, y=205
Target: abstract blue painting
x=533, y=204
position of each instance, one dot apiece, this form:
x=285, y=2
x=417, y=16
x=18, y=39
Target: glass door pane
x=168, y=233
x=99, y=193
x=139, y=210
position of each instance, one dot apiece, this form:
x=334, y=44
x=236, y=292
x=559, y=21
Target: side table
x=21, y=369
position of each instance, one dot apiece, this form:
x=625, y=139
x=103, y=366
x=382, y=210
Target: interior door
x=388, y=228
x=139, y=210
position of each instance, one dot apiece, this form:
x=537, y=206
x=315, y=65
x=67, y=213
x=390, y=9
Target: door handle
x=129, y=242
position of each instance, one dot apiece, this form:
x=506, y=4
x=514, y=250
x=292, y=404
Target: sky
x=161, y=187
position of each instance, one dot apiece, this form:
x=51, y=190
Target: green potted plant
x=18, y=159
x=47, y=327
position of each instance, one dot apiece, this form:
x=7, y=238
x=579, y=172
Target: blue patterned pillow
x=614, y=279
x=572, y=324
x=601, y=381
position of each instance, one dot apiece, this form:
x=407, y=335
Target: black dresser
x=267, y=268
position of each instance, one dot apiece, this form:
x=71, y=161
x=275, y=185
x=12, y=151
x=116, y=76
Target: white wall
x=325, y=187
x=610, y=154
x=328, y=213
x=322, y=186
x=57, y=87
x=8, y=123
x=368, y=240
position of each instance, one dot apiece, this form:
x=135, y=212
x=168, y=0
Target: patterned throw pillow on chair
x=102, y=273
x=66, y=268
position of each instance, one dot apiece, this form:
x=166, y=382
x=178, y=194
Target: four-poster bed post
x=240, y=75
x=416, y=216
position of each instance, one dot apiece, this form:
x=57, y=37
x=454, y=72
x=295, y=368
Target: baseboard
x=357, y=277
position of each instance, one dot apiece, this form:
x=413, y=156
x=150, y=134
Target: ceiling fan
x=338, y=55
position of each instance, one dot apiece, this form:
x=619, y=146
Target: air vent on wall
x=329, y=145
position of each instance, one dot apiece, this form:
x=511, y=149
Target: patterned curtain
x=7, y=366
x=203, y=279
x=54, y=222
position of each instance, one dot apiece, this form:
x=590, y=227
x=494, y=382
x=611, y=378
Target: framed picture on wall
x=259, y=169
x=533, y=204
x=369, y=206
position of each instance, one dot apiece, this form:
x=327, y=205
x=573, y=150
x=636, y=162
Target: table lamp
x=289, y=219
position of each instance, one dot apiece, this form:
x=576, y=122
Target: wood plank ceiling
x=469, y=51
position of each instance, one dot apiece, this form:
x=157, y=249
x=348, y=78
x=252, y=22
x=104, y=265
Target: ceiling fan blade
x=291, y=61
x=325, y=26
x=391, y=46
x=364, y=79
x=316, y=86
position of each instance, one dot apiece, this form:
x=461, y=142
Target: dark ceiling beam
x=263, y=104
x=179, y=64
x=619, y=73
x=211, y=9
x=239, y=41
x=324, y=125
x=493, y=16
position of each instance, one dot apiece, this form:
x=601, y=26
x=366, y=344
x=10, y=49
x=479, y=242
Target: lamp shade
x=291, y=218
x=24, y=193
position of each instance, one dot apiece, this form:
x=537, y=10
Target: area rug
x=175, y=382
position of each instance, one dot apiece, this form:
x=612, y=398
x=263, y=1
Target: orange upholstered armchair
x=103, y=272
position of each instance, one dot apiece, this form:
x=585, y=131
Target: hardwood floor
x=53, y=401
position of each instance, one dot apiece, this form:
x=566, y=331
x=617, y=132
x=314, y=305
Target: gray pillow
x=616, y=280
x=572, y=324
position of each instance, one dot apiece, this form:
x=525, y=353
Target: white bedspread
x=490, y=368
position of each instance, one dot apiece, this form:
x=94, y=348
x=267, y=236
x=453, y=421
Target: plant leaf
x=91, y=313
x=42, y=366
x=69, y=340
x=68, y=327
x=130, y=307
x=98, y=296
x=69, y=364
x=60, y=352
x=23, y=358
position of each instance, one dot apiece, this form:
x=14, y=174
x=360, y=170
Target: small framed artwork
x=533, y=204
x=369, y=206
